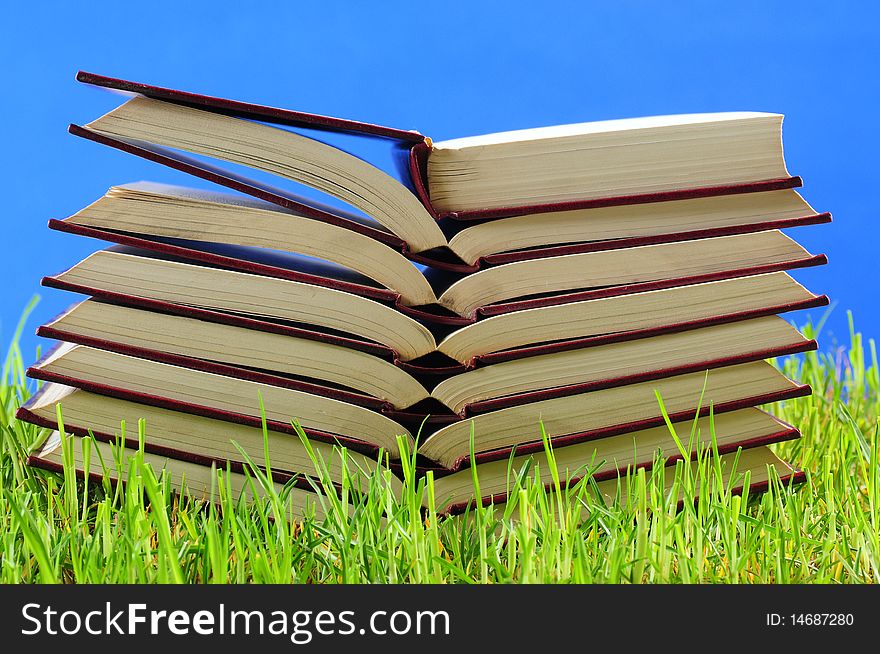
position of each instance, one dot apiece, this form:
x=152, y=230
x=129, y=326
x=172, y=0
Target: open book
x=741, y=437
x=494, y=434
x=553, y=175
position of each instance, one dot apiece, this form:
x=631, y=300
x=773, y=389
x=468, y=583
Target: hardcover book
x=585, y=166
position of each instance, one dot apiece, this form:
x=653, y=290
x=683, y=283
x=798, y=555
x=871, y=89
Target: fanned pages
x=200, y=439
x=282, y=153
x=181, y=213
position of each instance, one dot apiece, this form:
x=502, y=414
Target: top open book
x=561, y=172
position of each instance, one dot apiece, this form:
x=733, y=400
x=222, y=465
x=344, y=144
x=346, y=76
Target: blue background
x=447, y=70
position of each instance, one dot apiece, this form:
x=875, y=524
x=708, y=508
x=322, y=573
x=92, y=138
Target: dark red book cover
x=249, y=110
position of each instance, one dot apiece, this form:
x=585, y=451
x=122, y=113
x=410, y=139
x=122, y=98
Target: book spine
x=418, y=170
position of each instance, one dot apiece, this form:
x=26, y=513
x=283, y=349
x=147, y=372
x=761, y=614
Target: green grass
x=56, y=528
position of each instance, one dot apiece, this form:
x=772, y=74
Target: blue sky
x=446, y=69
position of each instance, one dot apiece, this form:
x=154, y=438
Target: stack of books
x=501, y=288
